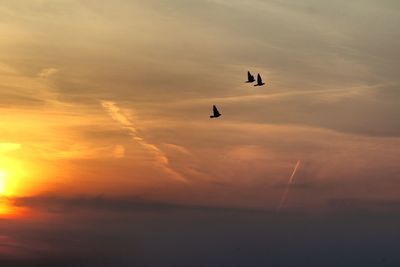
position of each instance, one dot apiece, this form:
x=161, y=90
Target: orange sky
x=114, y=98
x=108, y=155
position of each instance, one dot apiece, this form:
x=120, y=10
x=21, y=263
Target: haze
x=108, y=154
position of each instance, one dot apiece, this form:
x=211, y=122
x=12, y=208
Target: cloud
x=290, y=182
x=179, y=149
x=46, y=73
x=327, y=67
x=8, y=147
x=103, y=231
x=300, y=47
x=364, y=205
x=19, y=89
x=116, y=113
x=119, y=151
x=59, y=204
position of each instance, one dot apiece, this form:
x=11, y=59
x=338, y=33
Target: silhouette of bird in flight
x=250, y=78
x=259, y=81
x=216, y=113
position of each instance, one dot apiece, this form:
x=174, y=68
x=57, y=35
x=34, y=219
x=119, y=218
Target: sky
x=108, y=155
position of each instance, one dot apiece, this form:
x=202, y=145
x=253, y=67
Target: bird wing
x=215, y=111
x=259, y=80
x=249, y=76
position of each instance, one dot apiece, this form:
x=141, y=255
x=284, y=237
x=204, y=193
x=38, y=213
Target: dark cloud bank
x=101, y=231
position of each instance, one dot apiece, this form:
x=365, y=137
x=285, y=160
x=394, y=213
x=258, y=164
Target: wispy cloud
x=46, y=73
x=179, y=149
x=7, y=147
x=291, y=179
x=119, y=151
x=117, y=114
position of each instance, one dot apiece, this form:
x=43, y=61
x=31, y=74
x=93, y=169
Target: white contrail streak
x=116, y=113
x=291, y=179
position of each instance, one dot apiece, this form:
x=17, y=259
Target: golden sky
x=108, y=154
x=113, y=97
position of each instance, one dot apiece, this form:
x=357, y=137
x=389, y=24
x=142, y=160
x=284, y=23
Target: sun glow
x=17, y=176
x=7, y=189
x=5, y=209
x=2, y=181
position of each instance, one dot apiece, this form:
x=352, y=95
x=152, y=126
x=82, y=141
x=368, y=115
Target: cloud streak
x=104, y=203
x=46, y=73
x=115, y=112
x=291, y=179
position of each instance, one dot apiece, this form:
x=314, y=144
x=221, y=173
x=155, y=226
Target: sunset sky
x=108, y=154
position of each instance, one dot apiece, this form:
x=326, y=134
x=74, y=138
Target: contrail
x=116, y=113
x=285, y=194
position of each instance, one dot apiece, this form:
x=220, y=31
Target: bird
x=216, y=113
x=259, y=81
x=250, y=78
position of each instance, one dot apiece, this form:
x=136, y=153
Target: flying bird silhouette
x=250, y=78
x=259, y=81
x=216, y=113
